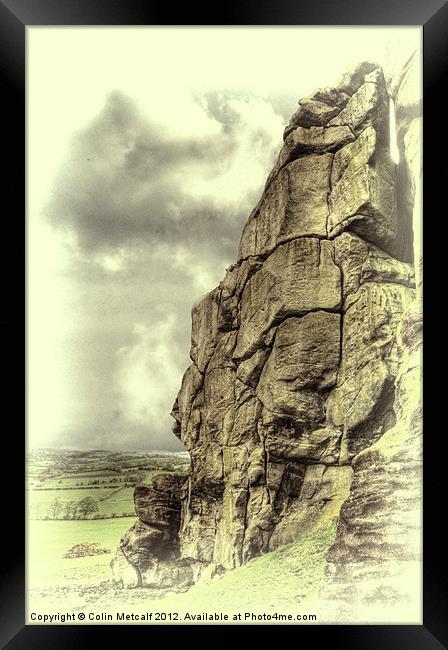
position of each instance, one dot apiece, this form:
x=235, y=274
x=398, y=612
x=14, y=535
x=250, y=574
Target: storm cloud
x=129, y=180
x=152, y=216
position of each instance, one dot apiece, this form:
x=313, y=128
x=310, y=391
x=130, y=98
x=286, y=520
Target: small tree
x=55, y=508
x=88, y=505
x=71, y=508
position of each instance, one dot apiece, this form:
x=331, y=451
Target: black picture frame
x=15, y=16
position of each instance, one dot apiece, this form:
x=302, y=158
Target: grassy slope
x=285, y=580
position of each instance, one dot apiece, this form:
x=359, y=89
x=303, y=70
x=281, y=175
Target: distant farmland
x=58, y=481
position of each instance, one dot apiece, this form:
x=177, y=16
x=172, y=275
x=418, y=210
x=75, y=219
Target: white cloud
x=148, y=373
x=112, y=262
x=258, y=136
x=200, y=274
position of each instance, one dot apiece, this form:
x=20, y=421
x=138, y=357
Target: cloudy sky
x=147, y=149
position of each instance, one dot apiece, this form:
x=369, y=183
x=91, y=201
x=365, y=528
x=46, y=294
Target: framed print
x=224, y=293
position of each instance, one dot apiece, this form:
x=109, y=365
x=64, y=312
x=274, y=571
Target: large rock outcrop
x=297, y=401
x=376, y=558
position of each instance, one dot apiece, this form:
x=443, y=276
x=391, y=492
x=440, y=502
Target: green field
x=286, y=580
x=77, y=481
x=47, y=541
x=47, y=496
x=56, y=479
x=110, y=501
x=118, y=502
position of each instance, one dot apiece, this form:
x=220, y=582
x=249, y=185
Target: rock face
x=375, y=560
x=296, y=409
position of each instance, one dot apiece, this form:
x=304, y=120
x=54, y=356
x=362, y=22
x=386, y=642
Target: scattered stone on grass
x=85, y=549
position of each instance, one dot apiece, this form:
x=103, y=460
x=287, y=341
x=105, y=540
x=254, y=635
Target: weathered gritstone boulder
x=296, y=405
x=367, y=149
x=326, y=103
x=303, y=363
x=324, y=490
x=318, y=446
x=361, y=400
x=366, y=203
x=151, y=546
x=315, y=140
x=361, y=262
x=294, y=205
x=368, y=105
x=159, y=505
x=204, y=331
x=363, y=180
x=296, y=278
x=136, y=565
